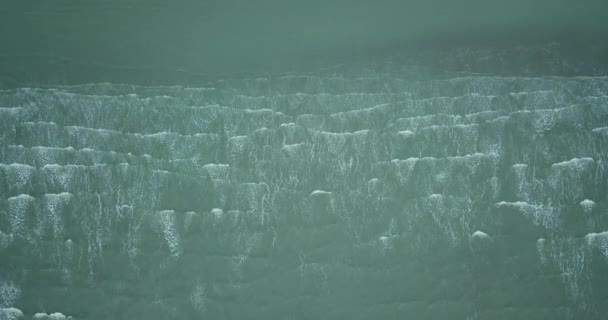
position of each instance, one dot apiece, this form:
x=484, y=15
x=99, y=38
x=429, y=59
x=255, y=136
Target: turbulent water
x=379, y=191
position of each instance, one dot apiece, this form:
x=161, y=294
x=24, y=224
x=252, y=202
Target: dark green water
x=303, y=160
x=66, y=41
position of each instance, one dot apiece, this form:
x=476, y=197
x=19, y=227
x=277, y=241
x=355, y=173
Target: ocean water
x=292, y=160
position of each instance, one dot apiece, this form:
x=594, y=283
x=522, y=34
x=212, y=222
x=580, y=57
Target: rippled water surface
x=143, y=176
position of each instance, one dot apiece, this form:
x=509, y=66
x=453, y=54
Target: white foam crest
x=236, y=147
x=51, y=316
x=106, y=133
x=260, y=112
x=384, y=240
x=18, y=175
x=480, y=235
x=188, y=218
x=335, y=141
x=573, y=163
x=217, y=170
x=599, y=241
x=520, y=166
x=64, y=175
x=17, y=212
x=541, y=215
x=587, y=205
x=69, y=148
x=9, y=293
x=404, y=168
x=350, y=113
x=520, y=172
x=217, y=213
x=405, y=133
x=11, y=110
x=55, y=204
x=471, y=160
x=499, y=119
x=5, y=239
x=10, y=314
x=198, y=298
x=294, y=149
x=601, y=130
x=47, y=155
x=164, y=135
x=473, y=115
x=421, y=122
x=374, y=187
x=320, y=193
x=541, y=248
x=39, y=123
x=470, y=127
x=566, y=177
x=167, y=224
